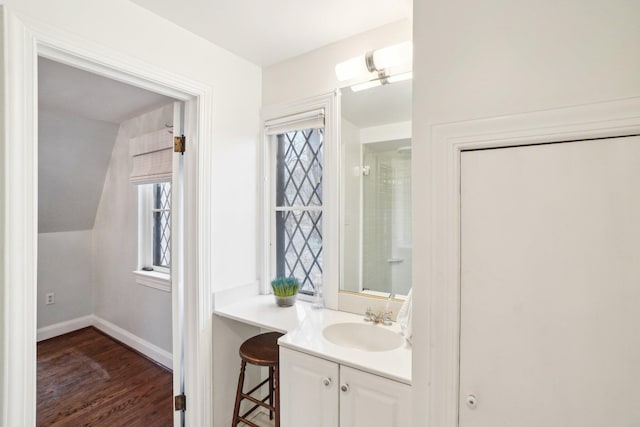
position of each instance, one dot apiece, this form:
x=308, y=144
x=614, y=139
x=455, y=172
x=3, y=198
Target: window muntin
x=161, y=213
x=298, y=206
x=154, y=228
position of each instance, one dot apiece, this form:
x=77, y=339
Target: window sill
x=153, y=279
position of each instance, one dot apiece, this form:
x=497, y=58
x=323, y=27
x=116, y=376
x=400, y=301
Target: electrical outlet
x=51, y=298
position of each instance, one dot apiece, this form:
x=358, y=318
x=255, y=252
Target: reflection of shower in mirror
x=386, y=218
x=375, y=187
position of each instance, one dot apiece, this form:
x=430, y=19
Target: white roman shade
x=308, y=120
x=152, y=157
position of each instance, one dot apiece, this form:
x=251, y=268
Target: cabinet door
x=368, y=400
x=308, y=390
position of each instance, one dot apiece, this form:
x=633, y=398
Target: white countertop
x=303, y=327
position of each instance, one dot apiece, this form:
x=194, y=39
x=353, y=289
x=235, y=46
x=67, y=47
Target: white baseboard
x=64, y=327
x=152, y=351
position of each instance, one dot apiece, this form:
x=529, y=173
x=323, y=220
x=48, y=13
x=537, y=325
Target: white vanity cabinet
x=315, y=392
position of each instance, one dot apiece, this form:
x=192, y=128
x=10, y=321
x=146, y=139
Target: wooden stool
x=261, y=350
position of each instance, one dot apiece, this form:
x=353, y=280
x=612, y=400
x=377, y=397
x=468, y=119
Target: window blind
x=151, y=157
x=307, y=120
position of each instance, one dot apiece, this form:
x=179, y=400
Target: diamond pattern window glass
x=161, y=212
x=298, y=206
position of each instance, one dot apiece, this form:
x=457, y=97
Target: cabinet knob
x=472, y=401
x=344, y=388
x=326, y=382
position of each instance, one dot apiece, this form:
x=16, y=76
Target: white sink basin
x=363, y=336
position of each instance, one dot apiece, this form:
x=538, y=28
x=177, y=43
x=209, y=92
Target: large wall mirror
x=376, y=246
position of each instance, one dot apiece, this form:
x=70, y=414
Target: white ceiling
x=91, y=96
x=269, y=31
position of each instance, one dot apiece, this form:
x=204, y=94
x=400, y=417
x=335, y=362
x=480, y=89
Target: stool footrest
x=256, y=406
x=247, y=422
x=258, y=402
x=258, y=386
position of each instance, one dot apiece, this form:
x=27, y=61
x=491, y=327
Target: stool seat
x=261, y=350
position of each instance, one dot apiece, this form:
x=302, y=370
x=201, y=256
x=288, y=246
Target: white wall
x=314, y=73
x=497, y=57
x=134, y=32
x=226, y=367
x=64, y=267
x=141, y=310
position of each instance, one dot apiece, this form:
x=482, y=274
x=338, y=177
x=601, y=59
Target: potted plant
x=285, y=290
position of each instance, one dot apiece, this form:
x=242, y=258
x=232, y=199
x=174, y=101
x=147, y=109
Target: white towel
x=404, y=318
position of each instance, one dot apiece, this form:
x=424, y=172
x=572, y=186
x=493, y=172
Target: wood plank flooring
x=86, y=378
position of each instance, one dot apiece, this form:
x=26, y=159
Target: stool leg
x=271, y=384
x=276, y=378
x=236, y=409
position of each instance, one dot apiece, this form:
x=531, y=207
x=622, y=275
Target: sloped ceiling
x=74, y=155
x=79, y=114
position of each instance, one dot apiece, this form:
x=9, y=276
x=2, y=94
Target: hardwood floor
x=86, y=378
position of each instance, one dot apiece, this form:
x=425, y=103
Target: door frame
x=23, y=43
x=436, y=347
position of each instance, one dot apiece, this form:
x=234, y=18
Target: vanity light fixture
x=382, y=80
x=366, y=85
x=383, y=62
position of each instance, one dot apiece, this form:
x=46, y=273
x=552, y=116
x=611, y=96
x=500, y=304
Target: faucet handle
x=386, y=320
x=368, y=315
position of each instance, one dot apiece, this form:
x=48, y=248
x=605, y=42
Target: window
x=161, y=217
x=300, y=195
x=298, y=206
x=154, y=235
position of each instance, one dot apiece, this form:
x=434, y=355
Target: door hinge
x=180, y=402
x=179, y=144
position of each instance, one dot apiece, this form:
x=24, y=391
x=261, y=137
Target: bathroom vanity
x=317, y=392
x=335, y=368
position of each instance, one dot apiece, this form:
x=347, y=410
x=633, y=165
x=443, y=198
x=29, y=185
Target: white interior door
x=177, y=264
x=550, y=285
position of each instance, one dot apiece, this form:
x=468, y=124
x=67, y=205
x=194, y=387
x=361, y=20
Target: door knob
x=326, y=382
x=344, y=388
x=472, y=401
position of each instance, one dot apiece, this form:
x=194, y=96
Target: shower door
x=386, y=217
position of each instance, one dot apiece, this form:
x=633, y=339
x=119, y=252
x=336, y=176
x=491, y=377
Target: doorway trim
x=436, y=348
x=24, y=41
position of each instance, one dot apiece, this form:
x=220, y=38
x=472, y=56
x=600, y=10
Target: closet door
x=550, y=285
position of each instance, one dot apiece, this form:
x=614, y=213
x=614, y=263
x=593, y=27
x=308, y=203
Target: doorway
x=24, y=43
x=96, y=225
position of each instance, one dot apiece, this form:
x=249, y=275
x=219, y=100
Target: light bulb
x=392, y=56
x=351, y=68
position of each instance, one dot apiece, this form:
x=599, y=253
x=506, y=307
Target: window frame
x=330, y=194
x=160, y=277
x=272, y=141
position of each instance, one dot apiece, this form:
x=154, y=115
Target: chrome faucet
x=383, y=317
